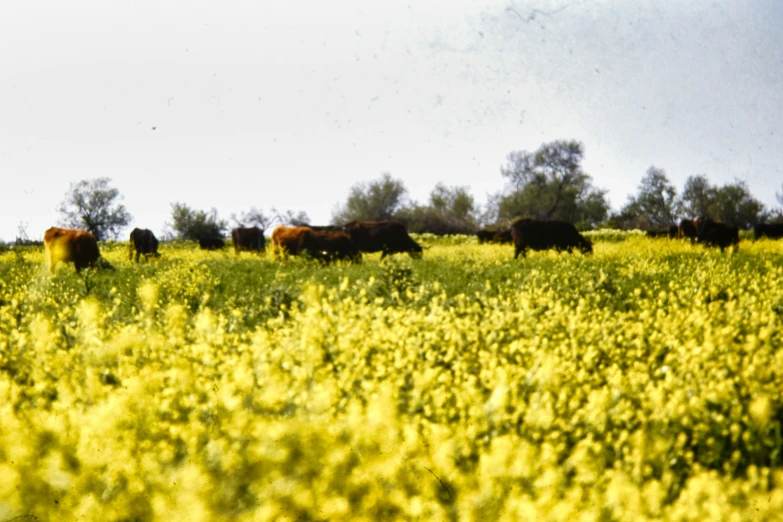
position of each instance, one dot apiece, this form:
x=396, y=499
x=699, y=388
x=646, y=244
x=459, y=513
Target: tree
x=377, y=200
x=92, y=205
x=550, y=184
x=190, y=224
x=735, y=205
x=450, y=210
x=258, y=218
x=253, y=217
x=292, y=218
x=698, y=197
x=655, y=205
x=775, y=215
x=628, y=218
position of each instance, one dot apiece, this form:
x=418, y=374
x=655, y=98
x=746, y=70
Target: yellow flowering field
x=644, y=382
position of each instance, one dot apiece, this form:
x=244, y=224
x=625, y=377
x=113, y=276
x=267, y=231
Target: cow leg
x=518, y=251
x=383, y=253
x=50, y=264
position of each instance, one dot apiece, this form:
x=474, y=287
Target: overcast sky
x=245, y=103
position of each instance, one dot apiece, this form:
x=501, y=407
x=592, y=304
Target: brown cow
x=324, y=245
x=70, y=246
x=545, y=235
x=143, y=241
x=387, y=237
x=250, y=239
x=285, y=240
x=328, y=245
x=688, y=228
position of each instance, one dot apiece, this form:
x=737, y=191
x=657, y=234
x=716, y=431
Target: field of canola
x=644, y=382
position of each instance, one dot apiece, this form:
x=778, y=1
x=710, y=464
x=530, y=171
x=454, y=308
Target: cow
x=328, y=245
x=387, y=237
x=670, y=232
x=498, y=235
x=545, y=235
x=324, y=245
x=770, y=230
x=250, y=239
x=688, y=229
x=285, y=240
x=206, y=242
x=71, y=246
x=718, y=233
x=143, y=241
x=325, y=228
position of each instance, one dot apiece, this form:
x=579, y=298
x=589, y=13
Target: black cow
x=545, y=235
x=770, y=230
x=250, y=239
x=211, y=242
x=143, y=241
x=717, y=233
x=387, y=237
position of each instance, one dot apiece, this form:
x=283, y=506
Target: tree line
x=548, y=183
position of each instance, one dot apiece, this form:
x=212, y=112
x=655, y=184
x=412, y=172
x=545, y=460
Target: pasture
x=644, y=382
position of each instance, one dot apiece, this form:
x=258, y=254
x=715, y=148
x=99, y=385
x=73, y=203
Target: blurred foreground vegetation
x=641, y=383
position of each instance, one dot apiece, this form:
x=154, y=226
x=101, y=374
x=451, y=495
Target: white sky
x=288, y=104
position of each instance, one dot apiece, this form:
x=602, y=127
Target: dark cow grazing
x=325, y=228
x=770, y=230
x=545, y=235
x=498, y=235
x=485, y=235
x=717, y=233
x=328, y=245
x=670, y=232
x=71, y=246
x=324, y=245
x=211, y=243
x=143, y=241
x=656, y=233
x=387, y=237
x=249, y=239
x=688, y=229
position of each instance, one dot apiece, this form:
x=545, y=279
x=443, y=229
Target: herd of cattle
x=348, y=242
x=324, y=243
x=562, y=235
